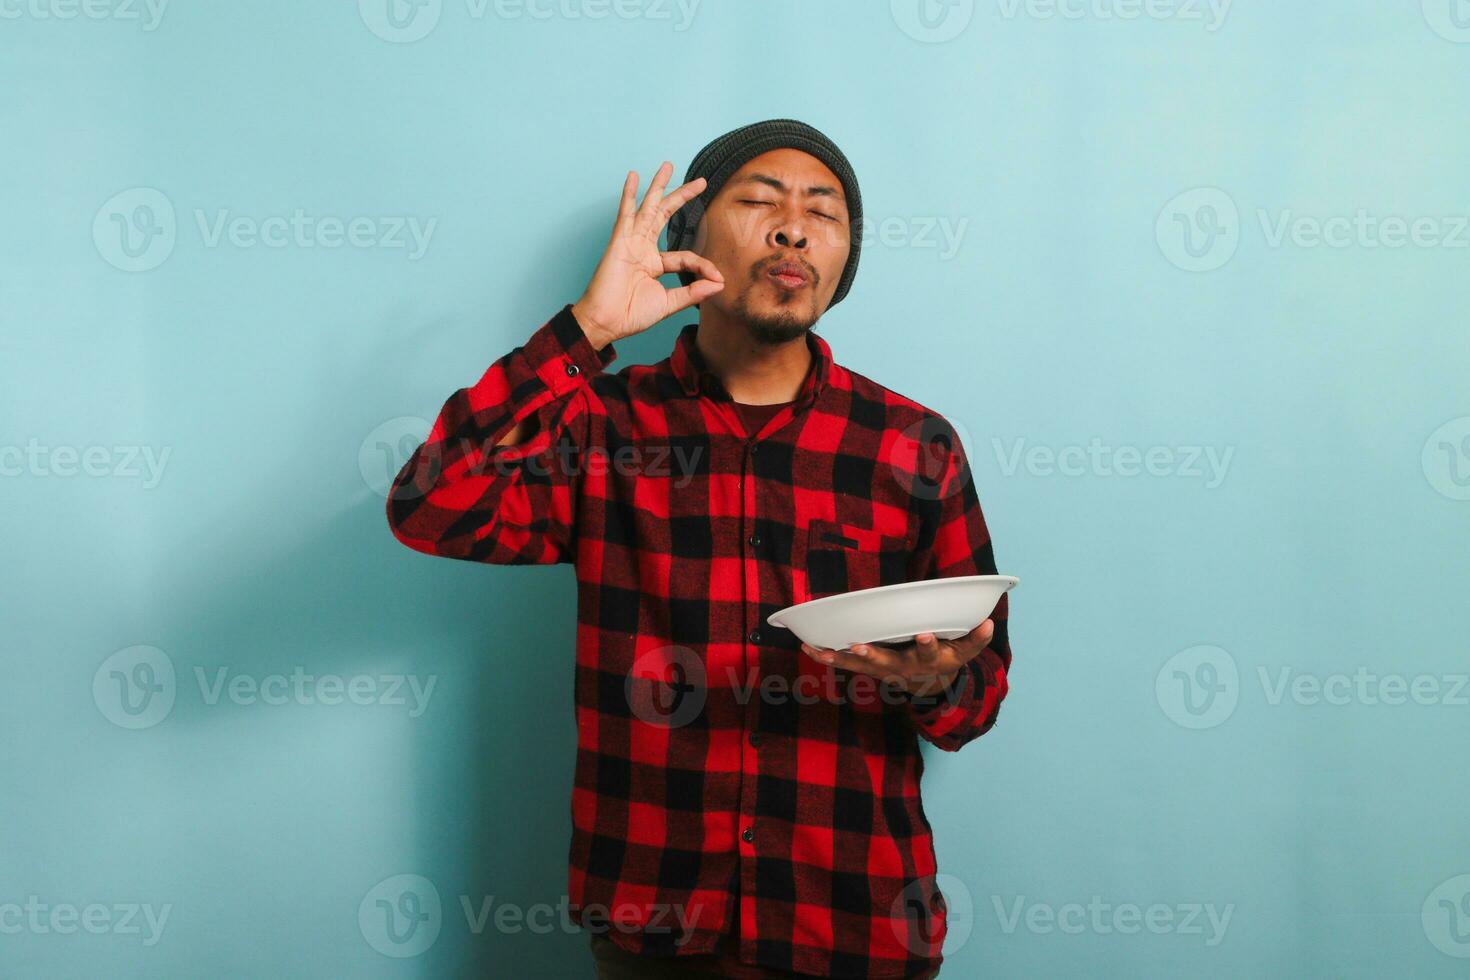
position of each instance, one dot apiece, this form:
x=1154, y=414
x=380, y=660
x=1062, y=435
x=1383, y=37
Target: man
x=744, y=805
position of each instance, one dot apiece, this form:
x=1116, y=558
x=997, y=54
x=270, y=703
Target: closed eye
x=820, y=214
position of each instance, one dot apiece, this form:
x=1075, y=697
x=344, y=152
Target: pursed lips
x=789, y=276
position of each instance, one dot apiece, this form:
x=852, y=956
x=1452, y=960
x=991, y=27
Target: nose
x=786, y=232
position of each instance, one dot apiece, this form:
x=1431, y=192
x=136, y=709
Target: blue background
x=1114, y=187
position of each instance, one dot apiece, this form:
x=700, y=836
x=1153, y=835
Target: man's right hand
x=625, y=296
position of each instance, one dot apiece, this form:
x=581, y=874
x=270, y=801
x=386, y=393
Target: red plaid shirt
x=720, y=771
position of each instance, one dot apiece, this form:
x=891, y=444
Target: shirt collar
x=694, y=375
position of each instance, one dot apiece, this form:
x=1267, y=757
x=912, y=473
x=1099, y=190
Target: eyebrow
x=818, y=190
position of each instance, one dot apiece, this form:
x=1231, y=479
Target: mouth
x=788, y=275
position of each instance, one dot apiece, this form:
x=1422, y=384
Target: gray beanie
x=719, y=160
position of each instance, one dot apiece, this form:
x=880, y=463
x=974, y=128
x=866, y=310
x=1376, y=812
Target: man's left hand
x=925, y=666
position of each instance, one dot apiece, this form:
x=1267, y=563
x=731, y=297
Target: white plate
x=946, y=607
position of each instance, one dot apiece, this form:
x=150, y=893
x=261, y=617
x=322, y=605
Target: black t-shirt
x=755, y=416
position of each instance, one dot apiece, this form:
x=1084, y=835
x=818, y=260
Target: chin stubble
x=778, y=328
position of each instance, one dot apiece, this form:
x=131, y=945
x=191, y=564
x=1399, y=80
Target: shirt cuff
x=950, y=694
x=561, y=354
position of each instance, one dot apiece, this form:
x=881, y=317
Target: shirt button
x=572, y=369
x=755, y=540
x=748, y=836
x=755, y=738
x=755, y=636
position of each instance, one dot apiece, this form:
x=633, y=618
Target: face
x=784, y=211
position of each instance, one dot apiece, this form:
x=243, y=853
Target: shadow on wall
x=492, y=756
x=490, y=769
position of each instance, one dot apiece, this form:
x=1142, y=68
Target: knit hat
x=719, y=160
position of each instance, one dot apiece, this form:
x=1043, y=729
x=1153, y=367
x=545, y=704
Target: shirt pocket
x=840, y=557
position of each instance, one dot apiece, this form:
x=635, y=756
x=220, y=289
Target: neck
x=753, y=372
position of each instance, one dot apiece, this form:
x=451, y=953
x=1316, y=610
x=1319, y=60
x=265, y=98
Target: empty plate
x=946, y=607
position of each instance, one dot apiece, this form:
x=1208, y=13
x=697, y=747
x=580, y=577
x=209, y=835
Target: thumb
x=696, y=292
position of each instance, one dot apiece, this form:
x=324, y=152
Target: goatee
x=772, y=329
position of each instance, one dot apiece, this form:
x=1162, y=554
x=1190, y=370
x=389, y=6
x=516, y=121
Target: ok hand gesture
x=625, y=296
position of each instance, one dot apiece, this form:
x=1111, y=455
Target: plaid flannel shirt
x=720, y=771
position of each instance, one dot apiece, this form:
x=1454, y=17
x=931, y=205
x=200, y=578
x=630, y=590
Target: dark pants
x=616, y=963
